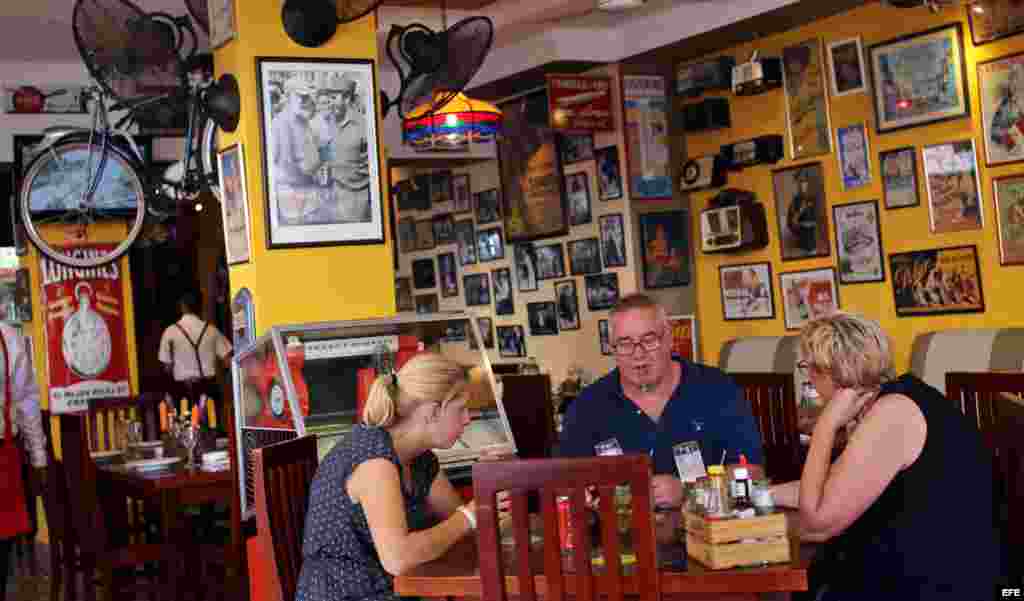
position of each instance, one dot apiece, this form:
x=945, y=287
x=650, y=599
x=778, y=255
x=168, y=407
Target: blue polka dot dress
x=339, y=561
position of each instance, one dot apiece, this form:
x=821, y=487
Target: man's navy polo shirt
x=706, y=406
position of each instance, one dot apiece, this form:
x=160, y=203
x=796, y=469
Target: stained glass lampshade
x=454, y=126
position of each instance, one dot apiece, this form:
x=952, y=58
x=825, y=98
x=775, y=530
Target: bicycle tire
x=136, y=183
x=208, y=156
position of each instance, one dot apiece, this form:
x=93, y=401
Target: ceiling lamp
x=454, y=126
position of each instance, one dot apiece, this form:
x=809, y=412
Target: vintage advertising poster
x=1001, y=86
x=807, y=295
x=684, y=336
x=858, y=242
x=800, y=209
x=86, y=335
x=899, y=177
x=806, y=100
x=531, y=176
x=645, y=103
x=940, y=280
x=747, y=291
x=580, y=103
x=1009, y=195
x=995, y=19
x=854, y=164
x=954, y=188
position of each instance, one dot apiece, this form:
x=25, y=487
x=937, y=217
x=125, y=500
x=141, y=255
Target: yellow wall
x=902, y=230
x=299, y=284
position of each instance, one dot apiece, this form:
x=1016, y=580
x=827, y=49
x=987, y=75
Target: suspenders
x=195, y=345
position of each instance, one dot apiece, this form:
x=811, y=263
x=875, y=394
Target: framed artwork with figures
x=1001, y=87
x=800, y=210
x=954, y=186
x=995, y=19
x=1009, y=200
x=807, y=114
x=898, y=168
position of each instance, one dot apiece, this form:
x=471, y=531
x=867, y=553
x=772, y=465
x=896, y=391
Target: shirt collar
x=620, y=395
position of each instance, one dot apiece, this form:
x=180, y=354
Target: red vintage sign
x=580, y=103
x=684, y=338
x=86, y=334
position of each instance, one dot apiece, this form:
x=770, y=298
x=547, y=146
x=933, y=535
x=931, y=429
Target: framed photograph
x=919, y=78
x=234, y=203
x=543, y=318
x=800, y=211
x=807, y=295
x=221, y=17
x=488, y=206
x=465, y=238
x=645, y=102
x=747, y=291
x=550, y=261
x=953, y=185
x=478, y=290
x=1001, y=87
x=1008, y=192
x=448, y=274
x=604, y=337
x=462, y=202
x=807, y=118
x=425, y=235
x=568, y=305
x=936, y=281
x=419, y=194
x=455, y=331
x=858, y=242
x=444, y=229
x=899, y=177
x=577, y=189
x=854, y=164
x=426, y=303
x=501, y=280
x=407, y=234
x=846, y=64
x=584, y=256
x=526, y=266
x=511, y=341
x=533, y=200
x=440, y=186
x=684, y=336
x=22, y=297
x=602, y=291
x=327, y=192
x=576, y=147
x=423, y=274
x=403, y=295
x=609, y=173
x=489, y=244
x=486, y=327
x=665, y=249
x=613, y=240
x=995, y=19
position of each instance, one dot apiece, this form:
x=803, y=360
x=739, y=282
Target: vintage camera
x=710, y=113
x=762, y=149
x=756, y=75
x=702, y=172
x=695, y=78
x=733, y=222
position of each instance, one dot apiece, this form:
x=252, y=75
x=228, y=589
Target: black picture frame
x=511, y=341
x=504, y=298
x=786, y=187
x=462, y=195
x=847, y=242
x=477, y=288
x=403, y=295
x=440, y=186
x=489, y=245
x=425, y=234
x=444, y=229
x=903, y=266
x=456, y=331
x=448, y=275
x=602, y=290
x=526, y=266
x=568, y=305
x=550, y=261
x=985, y=11
x=613, y=240
x=743, y=286
x=584, y=256
x=668, y=267
x=407, y=235
x=419, y=192
x=576, y=147
x=487, y=206
x=895, y=177
x=577, y=198
x=426, y=303
x=465, y=239
x=604, y=337
x=423, y=274
x=609, y=173
x=542, y=318
x=486, y=327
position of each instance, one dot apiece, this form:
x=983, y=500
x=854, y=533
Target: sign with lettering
x=580, y=103
x=86, y=333
x=684, y=336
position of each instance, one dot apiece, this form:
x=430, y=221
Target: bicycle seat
x=130, y=104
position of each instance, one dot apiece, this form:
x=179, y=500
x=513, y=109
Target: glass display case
x=314, y=377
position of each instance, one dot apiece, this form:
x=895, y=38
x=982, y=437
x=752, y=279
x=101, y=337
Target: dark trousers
x=6, y=546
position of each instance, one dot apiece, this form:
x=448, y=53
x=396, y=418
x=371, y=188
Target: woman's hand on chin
x=844, y=406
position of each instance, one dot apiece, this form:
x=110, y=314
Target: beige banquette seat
x=966, y=350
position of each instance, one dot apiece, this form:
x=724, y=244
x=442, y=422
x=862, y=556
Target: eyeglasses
x=649, y=342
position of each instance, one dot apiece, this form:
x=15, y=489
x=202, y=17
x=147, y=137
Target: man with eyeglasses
x=654, y=401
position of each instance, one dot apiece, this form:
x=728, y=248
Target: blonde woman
x=913, y=485
x=374, y=492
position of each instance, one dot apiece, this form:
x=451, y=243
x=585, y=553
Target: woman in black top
x=906, y=510
x=375, y=492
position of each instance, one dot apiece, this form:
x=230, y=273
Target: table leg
x=169, y=532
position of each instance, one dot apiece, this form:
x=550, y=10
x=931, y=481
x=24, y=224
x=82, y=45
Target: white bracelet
x=469, y=516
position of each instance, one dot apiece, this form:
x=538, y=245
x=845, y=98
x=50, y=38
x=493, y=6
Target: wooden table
x=456, y=574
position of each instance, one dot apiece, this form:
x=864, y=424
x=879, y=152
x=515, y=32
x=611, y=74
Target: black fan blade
x=422, y=49
x=199, y=12
x=468, y=43
x=419, y=90
x=353, y=10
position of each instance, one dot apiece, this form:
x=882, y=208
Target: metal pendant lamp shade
x=223, y=102
x=310, y=23
x=460, y=122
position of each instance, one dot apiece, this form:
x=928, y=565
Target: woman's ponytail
x=381, y=407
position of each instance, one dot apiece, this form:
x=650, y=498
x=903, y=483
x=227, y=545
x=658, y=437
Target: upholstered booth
x=762, y=354
x=966, y=350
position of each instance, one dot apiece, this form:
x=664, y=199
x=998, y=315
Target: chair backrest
x=284, y=472
x=104, y=415
x=773, y=403
x=527, y=402
x=571, y=477
x=86, y=513
x=933, y=354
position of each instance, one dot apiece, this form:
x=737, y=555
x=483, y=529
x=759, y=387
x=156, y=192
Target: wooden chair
x=551, y=477
x=527, y=401
x=283, y=474
x=994, y=402
x=773, y=403
x=64, y=564
x=98, y=553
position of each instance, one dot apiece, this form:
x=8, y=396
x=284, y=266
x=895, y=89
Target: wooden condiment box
x=727, y=543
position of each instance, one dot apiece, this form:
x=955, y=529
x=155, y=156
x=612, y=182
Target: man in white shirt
x=189, y=350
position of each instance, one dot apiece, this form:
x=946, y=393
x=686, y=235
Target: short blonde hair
x=852, y=349
x=426, y=378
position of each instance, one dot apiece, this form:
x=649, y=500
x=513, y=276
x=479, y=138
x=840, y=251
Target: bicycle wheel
x=208, y=155
x=74, y=183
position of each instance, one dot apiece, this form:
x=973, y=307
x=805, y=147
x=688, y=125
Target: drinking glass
x=134, y=432
x=189, y=436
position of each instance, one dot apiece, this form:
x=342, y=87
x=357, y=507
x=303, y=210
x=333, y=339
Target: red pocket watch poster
x=86, y=334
